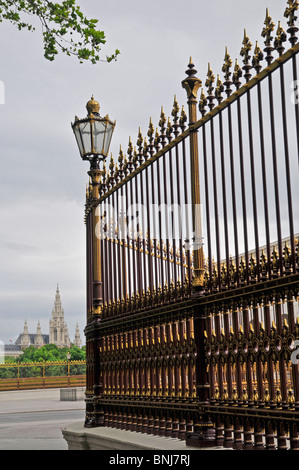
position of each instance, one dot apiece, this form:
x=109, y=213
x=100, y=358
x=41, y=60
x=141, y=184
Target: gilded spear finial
x=121, y=157
x=111, y=166
x=290, y=15
x=145, y=149
x=109, y=183
x=280, y=38
x=150, y=134
x=237, y=75
x=126, y=166
x=104, y=179
x=169, y=130
x=268, y=29
x=183, y=119
x=139, y=145
x=162, y=126
x=157, y=141
x=219, y=90
x=121, y=163
x=227, y=73
x=202, y=103
x=175, y=115
x=116, y=173
x=227, y=65
x=290, y=12
x=130, y=156
x=210, y=86
x=245, y=50
x=266, y=33
x=135, y=158
x=257, y=57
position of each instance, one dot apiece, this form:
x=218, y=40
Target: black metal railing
x=200, y=267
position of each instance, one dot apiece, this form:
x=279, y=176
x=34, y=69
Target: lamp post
x=93, y=135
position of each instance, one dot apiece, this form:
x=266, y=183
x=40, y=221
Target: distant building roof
x=12, y=347
x=32, y=337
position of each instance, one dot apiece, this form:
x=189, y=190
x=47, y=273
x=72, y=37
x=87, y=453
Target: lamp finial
x=93, y=106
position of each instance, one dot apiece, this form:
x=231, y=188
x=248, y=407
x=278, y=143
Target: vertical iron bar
x=264, y=177
x=138, y=253
x=180, y=209
x=172, y=204
x=149, y=258
x=133, y=243
x=253, y=189
x=296, y=104
x=113, y=210
x=156, y=283
x=243, y=186
x=232, y=172
x=166, y=221
x=160, y=228
x=226, y=241
x=287, y=164
x=186, y=204
x=274, y=159
x=119, y=260
x=123, y=239
x=129, y=272
x=106, y=266
x=143, y=234
x=215, y=204
x=207, y=205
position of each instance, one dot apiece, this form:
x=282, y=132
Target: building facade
x=58, y=331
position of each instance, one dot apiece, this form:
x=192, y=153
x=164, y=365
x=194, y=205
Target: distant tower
x=25, y=338
x=77, y=340
x=38, y=339
x=58, y=332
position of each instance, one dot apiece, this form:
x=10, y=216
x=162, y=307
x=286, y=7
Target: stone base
x=103, y=438
x=72, y=394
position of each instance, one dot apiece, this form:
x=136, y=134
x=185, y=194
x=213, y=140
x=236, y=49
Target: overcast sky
x=42, y=189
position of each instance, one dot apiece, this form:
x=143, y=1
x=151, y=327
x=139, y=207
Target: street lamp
x=93, y=135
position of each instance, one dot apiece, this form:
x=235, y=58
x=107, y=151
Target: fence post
x=191, y=85
x=204, y=433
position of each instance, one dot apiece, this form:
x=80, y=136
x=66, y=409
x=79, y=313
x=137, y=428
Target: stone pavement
x=40, y=420
x=21, y=401
x=34, y=419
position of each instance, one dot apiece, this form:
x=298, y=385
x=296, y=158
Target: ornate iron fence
x=197, y=232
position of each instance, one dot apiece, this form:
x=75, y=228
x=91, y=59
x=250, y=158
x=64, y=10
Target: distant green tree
x=64, y=27
x=51, y=352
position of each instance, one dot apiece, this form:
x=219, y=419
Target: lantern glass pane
x=99, y=132
x=85, y=131
x=109, y=133
x=79, y=141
